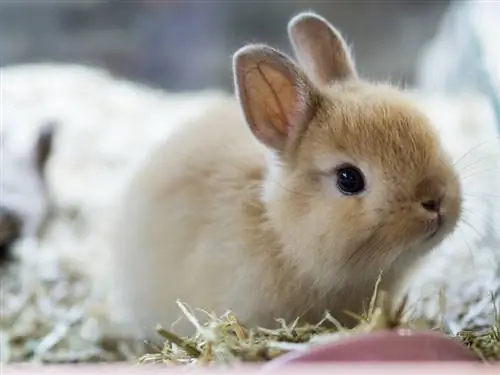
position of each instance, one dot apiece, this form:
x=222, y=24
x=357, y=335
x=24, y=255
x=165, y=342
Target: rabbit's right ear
x=320, y=48
x=277, y=98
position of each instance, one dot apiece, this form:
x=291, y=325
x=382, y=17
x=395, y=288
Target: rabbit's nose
x=432, y=205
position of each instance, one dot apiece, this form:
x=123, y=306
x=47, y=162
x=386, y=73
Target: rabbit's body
x=227, y=223
x=286, y=202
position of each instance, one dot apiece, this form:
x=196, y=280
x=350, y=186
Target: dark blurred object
x=10, y=230
x=188, y=44
x=25, y=200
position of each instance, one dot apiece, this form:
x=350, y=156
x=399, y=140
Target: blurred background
x=187, y=44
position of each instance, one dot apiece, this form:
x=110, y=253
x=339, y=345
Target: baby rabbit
x=286, y=201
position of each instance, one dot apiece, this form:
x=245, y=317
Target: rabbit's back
x=189, y=199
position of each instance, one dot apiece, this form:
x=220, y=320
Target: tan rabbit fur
x=242, y=209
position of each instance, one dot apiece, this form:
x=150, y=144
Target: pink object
x=394, y=346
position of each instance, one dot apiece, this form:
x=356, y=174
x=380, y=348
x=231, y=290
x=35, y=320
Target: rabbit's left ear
x=320, y=49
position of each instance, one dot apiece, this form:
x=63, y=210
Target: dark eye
x=350, y=180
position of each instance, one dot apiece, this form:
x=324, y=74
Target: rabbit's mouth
x=437, y=227
x=440, y=228
x=432, y=235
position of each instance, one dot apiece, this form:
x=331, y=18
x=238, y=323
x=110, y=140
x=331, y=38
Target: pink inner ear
x=273, y=94
x=276, y=105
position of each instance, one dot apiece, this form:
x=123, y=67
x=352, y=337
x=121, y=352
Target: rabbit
x=285, y=200
x=25, y=201
x=463, y=270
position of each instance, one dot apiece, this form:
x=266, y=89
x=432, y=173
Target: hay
x=56, y=318
x=49, y=314
x=223, y=340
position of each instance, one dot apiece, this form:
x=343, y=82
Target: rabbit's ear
x=320, y=49
x=277, y=98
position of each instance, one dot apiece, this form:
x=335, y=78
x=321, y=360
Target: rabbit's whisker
x=471, y=253
x=479, y=173
x=474, y=148
x=477, y=161
x=494, y=255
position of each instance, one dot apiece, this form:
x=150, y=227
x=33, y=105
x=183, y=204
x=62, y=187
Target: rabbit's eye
x=350, y=180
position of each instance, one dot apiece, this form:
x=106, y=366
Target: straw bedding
x=50, y=310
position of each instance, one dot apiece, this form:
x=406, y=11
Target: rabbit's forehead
x=388, y=134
